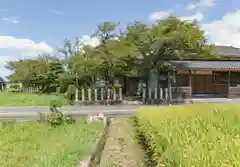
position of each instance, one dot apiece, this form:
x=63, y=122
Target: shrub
x=69, y=119
x=55, y=103
x=192, y=135
x=56, y=117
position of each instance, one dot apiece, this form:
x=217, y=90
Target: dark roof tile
x=227, y=50
x=206, y=64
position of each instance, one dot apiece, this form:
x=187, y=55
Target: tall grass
x=198, y=135
x=31, y=144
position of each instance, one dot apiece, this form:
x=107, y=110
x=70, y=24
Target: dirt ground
x=121, y=149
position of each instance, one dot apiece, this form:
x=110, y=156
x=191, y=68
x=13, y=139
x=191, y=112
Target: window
x=235, y=78
x=221, y=78
x=182, y=80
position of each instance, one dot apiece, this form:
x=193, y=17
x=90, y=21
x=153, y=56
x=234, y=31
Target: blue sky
x=30, y=26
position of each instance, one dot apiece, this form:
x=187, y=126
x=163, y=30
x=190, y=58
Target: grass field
x=192, y=135
x=39, y=145
x=28, y=99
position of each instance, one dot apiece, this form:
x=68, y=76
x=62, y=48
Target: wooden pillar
x=190, y=82
x=229, y=81
x=169, y=88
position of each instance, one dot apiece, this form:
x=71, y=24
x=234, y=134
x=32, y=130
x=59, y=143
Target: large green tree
x=115, y=54
x=168, y=39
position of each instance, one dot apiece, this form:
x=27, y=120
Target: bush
x=192, y=135
x=56, y=117
x=56, y=103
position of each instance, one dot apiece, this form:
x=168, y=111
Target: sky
x=29, y=27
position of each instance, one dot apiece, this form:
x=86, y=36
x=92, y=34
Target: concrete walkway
x=216, y=100
x=32, y=112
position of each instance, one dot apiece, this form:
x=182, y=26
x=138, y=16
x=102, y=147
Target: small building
x=207, y=78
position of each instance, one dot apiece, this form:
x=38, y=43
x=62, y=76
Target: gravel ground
x=122, y=149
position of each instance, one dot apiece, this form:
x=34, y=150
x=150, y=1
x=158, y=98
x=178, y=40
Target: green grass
x=192, y=135
x=28, y=99
x=39, y=145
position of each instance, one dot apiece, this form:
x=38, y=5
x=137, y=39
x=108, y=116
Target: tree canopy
x=137, y=51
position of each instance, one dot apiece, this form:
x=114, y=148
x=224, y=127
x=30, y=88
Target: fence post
x=95, y=93
x=166, y=93
x=156, y=94
x=150, y=93
x=120, y=94
x=114, y=94
x=83, y=94
x=161, y=94
x=102, y=97
x=108, y=94
x=89, y=94
x=76, y=95
x=144, y=94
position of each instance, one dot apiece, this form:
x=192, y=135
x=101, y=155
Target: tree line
x=137, y=50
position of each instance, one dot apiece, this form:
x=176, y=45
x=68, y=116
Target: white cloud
x=9, y=42
x=159, y=15
x=12, y=48
x=197, y=16
x=12, y=20
x=164, y=14
x=57, y=12
x=87, y=40
x=201, y=3
x=191, y=6
x=225, y=31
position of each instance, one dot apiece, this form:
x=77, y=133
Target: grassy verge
x=28, y=99
x=122, y=148
x=192, y=135
x=39, y=145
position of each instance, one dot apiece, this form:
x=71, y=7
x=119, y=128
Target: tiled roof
x=206, y=64
x=227, y=50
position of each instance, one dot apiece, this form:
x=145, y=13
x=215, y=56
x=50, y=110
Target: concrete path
x=32, y=112
x=67, y=108
x=216, y=100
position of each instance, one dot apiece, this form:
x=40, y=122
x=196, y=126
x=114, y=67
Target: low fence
x=115, y=94
x=99, y=94
x=31, y=89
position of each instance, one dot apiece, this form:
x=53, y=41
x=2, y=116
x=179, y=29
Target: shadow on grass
x=149, y=160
